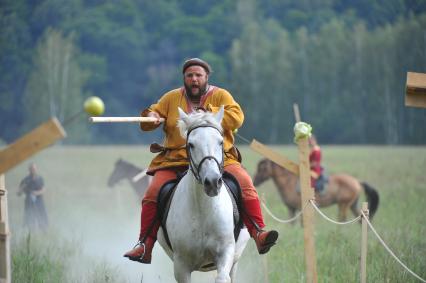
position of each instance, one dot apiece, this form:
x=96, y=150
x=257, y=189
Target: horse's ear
x=182, y=115
x=219, y=114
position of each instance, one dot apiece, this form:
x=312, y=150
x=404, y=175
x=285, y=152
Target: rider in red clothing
x=315, y=162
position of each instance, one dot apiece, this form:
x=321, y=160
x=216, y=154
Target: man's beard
x=201, y=91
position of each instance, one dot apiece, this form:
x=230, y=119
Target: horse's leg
x=224, y=264
x=343, y=211
x=233, y=272
x=291, y=213
x=355, y=208
x=181, y=271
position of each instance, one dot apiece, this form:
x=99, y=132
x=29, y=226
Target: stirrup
x=142, y=244
x=138, y=258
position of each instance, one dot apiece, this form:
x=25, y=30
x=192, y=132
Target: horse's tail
x=372, y=198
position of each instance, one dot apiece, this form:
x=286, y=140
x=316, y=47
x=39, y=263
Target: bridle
x=194, y=168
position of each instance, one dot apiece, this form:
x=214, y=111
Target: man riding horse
x=172, y=160
x=317, y=176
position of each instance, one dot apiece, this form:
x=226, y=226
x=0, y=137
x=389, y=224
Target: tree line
x=343, y=62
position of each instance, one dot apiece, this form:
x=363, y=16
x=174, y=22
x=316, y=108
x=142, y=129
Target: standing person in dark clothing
x=35, y=215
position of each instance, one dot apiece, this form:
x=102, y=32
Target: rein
x=196, y=169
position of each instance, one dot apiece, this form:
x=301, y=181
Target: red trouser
x=249, y=194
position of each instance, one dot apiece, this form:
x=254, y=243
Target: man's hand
x=155, y=115
x=314, y=174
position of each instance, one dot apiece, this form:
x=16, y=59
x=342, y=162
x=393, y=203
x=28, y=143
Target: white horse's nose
x=212, y=186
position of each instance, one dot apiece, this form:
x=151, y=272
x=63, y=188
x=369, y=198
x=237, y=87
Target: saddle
x=320, y=185
x=321, y=182
x=168, y=189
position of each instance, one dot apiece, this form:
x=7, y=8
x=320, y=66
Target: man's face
x=195, y=80
x=33, y=169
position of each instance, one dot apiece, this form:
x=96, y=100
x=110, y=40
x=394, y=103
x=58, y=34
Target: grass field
x=91, y=226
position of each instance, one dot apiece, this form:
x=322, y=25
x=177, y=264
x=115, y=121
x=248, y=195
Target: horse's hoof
x=223, y=279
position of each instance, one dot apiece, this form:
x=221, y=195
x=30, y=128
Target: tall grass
x=34, y=260
x=46, y=257
x=106, y=221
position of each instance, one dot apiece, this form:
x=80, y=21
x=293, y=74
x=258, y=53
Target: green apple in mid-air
x=94, y=106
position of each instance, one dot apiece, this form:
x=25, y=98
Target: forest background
x=344, y=62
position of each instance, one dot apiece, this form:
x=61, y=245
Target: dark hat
x=196, y=62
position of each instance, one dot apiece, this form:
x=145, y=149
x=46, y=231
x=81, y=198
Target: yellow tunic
x=167, y=107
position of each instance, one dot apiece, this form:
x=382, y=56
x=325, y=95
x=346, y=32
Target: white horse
x=200, y=222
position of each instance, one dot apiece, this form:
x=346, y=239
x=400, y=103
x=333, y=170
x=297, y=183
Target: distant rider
x=317, y=178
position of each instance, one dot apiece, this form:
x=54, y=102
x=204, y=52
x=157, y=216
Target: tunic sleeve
x=233, y=117
x=161, y=107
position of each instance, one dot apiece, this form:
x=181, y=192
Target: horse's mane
x=196, y=119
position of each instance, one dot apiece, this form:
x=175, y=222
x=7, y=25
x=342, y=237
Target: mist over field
x=96, y=224
x=103, y=223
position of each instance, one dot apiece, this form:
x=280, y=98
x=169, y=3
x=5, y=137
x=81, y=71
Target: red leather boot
x=253, y=219
x=142, y=251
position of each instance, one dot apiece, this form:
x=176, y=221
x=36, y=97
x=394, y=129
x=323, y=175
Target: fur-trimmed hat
x=196, y=62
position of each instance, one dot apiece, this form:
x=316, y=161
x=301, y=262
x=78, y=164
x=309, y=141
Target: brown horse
x=342, y=189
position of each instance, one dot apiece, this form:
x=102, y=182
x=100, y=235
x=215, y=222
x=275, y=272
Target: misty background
x=344, y=63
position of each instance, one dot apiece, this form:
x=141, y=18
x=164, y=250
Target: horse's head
x=264, y=171
x=204, y=145
x=117, y=174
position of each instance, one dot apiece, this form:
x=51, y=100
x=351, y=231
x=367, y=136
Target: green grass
x=33, y=261
x=49, y=258
x=105, y=222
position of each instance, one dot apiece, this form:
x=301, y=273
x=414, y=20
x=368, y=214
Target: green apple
x=94, y=106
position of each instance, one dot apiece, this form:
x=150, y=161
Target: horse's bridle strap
x=208, y=157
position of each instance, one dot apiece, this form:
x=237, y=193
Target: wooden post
x=364, y=230
x=31, y=143
x=5, y=271
x=415, y=90
x=296, y=112
x=26, y=146
x=277, y=157
x=307, y=194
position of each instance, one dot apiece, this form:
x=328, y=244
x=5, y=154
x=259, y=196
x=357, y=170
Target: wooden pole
x=296, y=112
x=5, y=271
x=124, y=119
x=307, y=194
x=26, y=146
x=364, y=230
x=276, y=157
x=415, y=90
x=31, y=143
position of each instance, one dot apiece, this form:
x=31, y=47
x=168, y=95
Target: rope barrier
x=389, y=250
x=311, y=201
x=281, y=220
x=331, y=220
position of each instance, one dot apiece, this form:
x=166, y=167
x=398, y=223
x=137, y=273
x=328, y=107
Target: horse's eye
x=221, y=143
x=191, y=145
